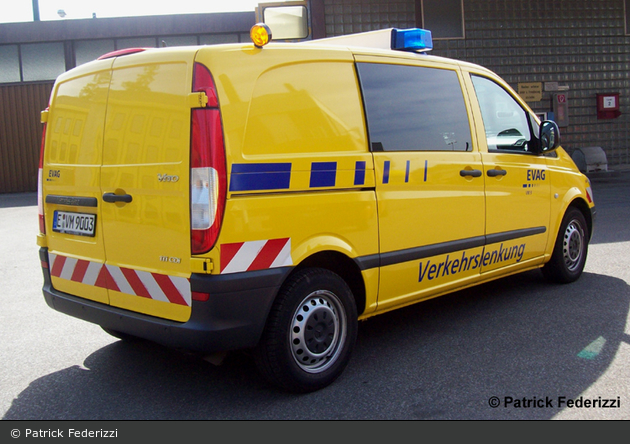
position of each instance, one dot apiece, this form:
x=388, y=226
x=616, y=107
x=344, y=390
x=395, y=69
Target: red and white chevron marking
x=255, y=255
x=160, y=287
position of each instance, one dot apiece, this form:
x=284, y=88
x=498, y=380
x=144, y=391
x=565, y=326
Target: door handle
x=495, y=173
x=470, y=173
x=112, y=198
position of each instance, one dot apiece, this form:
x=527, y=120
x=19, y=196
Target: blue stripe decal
x=359, y=173
x=407, y=172
x=260, y=176
x=386, y=172
x=323, y=174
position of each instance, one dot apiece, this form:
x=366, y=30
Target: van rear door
x=71, y=171
x=145, y=183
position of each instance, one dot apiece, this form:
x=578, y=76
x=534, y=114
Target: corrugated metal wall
x=21, y=135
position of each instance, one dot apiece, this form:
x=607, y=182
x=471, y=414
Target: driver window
x=505, y=121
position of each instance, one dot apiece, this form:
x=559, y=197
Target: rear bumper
x=233, y=317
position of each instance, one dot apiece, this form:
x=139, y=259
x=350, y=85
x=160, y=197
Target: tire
x=310, y=332
x=569, y=253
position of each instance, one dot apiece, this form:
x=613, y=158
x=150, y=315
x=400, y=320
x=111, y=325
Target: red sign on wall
x=608, y=106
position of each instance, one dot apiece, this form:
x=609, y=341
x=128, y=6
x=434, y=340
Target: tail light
x=208, y=179
x=40, y=185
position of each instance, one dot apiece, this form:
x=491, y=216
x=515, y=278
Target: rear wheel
x=569, y=253
x=310, y=332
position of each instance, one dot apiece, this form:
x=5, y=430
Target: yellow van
x=269, y=196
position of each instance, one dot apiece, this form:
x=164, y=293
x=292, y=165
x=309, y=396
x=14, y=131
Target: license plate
x=81, y=224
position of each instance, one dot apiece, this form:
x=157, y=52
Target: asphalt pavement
x=515, y=348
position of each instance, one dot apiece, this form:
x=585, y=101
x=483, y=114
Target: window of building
x=88, y=50
x=180, y=40
x=10, y=65
x=34, y=62
x=42, y=61
x=140, y=42
x=413, y=108
x=213, y=39
x=445, y=18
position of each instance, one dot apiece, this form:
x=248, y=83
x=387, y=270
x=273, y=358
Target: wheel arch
x=572, y=199
x=570, y=247
x=581, y=205
x=342, y=265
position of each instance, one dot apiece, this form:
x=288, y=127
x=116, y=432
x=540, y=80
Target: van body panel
x=571, y=186
x=146, y=156
x=287, y=127
x=351, y=228
x=423, y=188
x=516, y=182
x=524, y=193
x=71, y=176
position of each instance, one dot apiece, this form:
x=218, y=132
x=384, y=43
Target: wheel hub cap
x=572, y=245
x=317, y=331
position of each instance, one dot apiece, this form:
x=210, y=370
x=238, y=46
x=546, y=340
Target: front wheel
x=569, y=253
x=310, y=332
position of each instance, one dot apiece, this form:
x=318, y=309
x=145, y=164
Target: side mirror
x=549, y=136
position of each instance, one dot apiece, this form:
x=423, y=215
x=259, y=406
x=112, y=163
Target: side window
x=505, y=121
x=412, y=108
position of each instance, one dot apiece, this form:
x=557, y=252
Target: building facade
x=570, y=59
x=33, y=54
x=571, y=50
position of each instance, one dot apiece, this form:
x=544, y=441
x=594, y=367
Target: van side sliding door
x=429, y=183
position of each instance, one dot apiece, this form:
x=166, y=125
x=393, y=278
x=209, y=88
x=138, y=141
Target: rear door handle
x=470, y=173
x=111, y=198
x=495, y=173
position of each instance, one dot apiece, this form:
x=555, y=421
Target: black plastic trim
x=416, y=253
x=368, y=262
x=470, y=173
x=494, y=172
x=113, y=198
x=75, y=201
x=232, y=318
x=515, y=234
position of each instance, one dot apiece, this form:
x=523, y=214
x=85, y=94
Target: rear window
x=413, y=108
